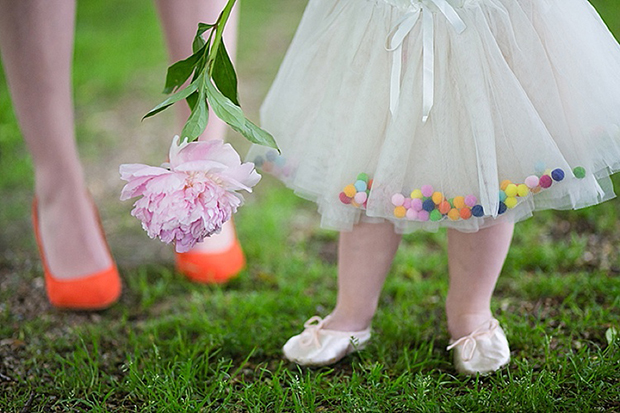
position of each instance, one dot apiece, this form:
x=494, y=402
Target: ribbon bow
x=394, y=43
x=310, y=334
x=471, y=339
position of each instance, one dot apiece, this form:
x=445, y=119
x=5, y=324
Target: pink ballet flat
x=483, y=351
x=317, y=346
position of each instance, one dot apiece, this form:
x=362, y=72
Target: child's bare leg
x=36, y=40
x=475, y=262
x=364, y=259
x=180, y=20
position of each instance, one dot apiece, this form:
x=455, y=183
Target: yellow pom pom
x=454, y=214
x=523, y=190
x=511, y=190
x=437, y=198
x=350, y=191
x=504, y=184
x=459, y=202
x=416, y=194
x=547, y=172
x=355, y=204
x=400, y=212
x=511, y=202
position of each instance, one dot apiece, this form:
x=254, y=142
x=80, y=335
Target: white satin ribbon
x=397, y=36
x=469, y=342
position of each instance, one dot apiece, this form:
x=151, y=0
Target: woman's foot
x=84, y=281
x=216, y=260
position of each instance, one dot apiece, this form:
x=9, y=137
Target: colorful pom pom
x=454, y=214
x=427, y=190
x=350, y=191
x=362, y=177
x=416, y=194
x=361, y=186
x=423, y=216
x=428, y=205
x=437, y=198
x=416, y=204
x=280, y=161
x=444, y=207
x=545, y=181
x=400, y=212
x=344, y=198
x=477, y=211
x=412, y=215
x=407, y=203
x=531, y=181
x=557, y=174
x=398, y=200
x=370, y=182
x=523, y=190
x=504, y=184
x=471, y=200
x=258, y=161
x=539, y=168
x=271, y=156
x=511, y=202
x=579, y=172
x=465, y=213
x=502, y=208
x=360, y=197
x=458, y=202
x=502, y=196
x=511, y=190
x=436, y=216
x=536, y=189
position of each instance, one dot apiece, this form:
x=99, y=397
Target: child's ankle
x=462, y=324
x=347, y=322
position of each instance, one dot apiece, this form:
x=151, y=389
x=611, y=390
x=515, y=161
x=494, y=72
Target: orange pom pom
x=454, y=214
x=444, y=207
x=465, y=213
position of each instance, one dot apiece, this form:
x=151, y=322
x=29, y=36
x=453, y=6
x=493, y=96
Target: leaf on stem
x=199, y=42
x=179, y=72
x=232, y=114
x=197, y=122
x=224, y=75
x=183, y=94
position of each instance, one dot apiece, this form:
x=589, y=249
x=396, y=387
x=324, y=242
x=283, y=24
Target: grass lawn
x=170, y=345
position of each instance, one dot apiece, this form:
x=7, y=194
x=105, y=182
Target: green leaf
x=183, y=94
x=179, y=72
x=192, y=99
x=256, y=134
x=224, y=75
x=197, y=122
x=199, y=42
x=223, y=107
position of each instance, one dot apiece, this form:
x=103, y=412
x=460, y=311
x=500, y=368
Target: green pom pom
x=436, y=215
x=451, y=201
x=579, y=172
x=363, y=177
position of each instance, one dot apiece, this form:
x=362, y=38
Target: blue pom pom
x=361, y=186
x=502, y=208
x=557, y=174
x=477, y=211
x=259, y=161
x=280, y=161
x=271, y=156
x=428, y=205
x=502, y=196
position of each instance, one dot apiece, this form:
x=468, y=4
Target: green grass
x=170, y=345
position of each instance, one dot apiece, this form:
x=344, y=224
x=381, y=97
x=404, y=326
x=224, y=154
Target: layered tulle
x=530, y=88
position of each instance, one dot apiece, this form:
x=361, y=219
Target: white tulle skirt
x=430, y=113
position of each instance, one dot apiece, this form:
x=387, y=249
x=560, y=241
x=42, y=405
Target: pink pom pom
x=416, y=204
x=412, y=215
x=407, y=203
x=360, y=197
x=344, y=198
x=423, y=216
x=531, y=181
x=427, y=190
x=398, y=199
x=471, y=201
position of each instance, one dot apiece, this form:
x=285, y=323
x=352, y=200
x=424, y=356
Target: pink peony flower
x=189, y=198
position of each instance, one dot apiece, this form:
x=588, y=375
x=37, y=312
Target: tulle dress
x=445, y=113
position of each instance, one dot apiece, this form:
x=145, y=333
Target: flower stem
x=219, y=31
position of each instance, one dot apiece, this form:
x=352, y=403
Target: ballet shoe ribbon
x=469, y=342
x=310, y=334
x=396, y=38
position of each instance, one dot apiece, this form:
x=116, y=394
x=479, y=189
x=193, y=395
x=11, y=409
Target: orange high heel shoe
x=95, y=291
x=211, y=268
